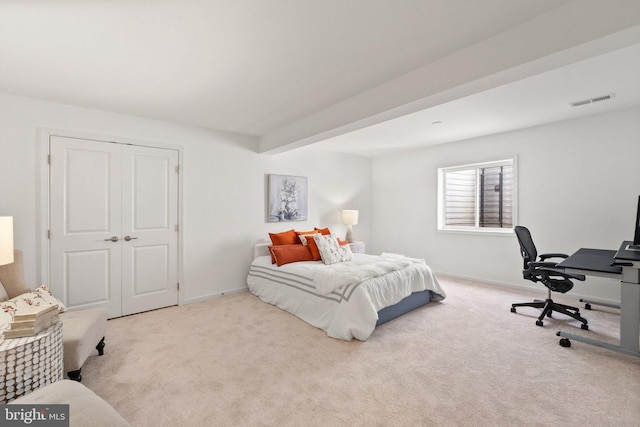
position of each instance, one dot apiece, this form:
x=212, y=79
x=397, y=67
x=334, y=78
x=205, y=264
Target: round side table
x=29, y=363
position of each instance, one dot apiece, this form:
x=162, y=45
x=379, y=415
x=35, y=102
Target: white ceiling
x=540, y=99
x=263, y=68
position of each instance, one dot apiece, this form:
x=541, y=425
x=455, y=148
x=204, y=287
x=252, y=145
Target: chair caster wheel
x=585, y=327
x=587, y=306
x=539, y=323
x=564, y=342
x=513, y=309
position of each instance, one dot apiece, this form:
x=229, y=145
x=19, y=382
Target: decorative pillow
x=39, y=296
x=323, y=231
x=285, y=238
x=301, y=235
x=273, y=258
x=330, y=251
x=307, y=236
x=342, y=242
x=3, y=293
x=313, y=247
x=286, y=254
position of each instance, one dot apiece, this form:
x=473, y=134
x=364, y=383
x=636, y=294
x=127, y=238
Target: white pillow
x=330, y=250
x=39, y=296
x=303, y=237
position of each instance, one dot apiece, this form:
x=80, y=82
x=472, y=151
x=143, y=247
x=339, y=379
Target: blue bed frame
x=413, y=301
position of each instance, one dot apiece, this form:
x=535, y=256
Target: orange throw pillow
x=286, y=254
x=342, y=242
x=323, y=231
x=273, y=260
x=285, y=238
x=305, y=233
x=313, y=247
x=273, y=257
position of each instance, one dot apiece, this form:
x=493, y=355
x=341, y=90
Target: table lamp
x=6, y=240
x=349, y=217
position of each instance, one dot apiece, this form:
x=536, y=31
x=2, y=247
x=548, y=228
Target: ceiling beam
x=573, y=32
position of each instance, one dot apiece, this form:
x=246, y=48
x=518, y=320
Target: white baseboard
x=573, y=294
x=216, y=295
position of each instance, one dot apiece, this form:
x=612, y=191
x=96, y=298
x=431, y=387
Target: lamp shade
x=6, y=240
x=350, y=217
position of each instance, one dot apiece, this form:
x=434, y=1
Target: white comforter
x=342, y=299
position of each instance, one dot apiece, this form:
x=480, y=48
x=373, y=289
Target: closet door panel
x=87, y=267
x=85, y=217
x=149, y=221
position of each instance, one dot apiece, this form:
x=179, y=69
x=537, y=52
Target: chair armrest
x=552, y=255
x=538, y=264
x=557, y=272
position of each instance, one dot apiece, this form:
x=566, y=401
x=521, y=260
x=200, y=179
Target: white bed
x=343, y=299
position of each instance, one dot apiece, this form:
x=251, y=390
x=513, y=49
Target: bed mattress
x=336, y=299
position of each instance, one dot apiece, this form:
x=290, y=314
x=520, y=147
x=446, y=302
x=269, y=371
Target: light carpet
x=465, y=361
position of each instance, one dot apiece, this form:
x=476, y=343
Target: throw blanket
x=398, y=256
x=336, y=277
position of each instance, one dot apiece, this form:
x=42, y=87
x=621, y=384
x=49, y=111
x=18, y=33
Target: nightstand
x=357, y=247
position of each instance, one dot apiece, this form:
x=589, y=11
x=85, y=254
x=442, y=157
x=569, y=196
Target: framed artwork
x=288, y=198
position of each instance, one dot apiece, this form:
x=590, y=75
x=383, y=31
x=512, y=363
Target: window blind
x=460, y=200
x=479, y=197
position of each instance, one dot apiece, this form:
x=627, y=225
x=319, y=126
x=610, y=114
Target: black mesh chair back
x=527, y=249
x=549, y=274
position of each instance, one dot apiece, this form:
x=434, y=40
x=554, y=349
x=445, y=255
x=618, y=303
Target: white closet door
x=149, y=222
x=85, y=214
x=113, y=225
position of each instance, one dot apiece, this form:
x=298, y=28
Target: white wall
x=224, y=184
x=578, y=186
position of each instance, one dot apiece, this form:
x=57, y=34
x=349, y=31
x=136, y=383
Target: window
x=478, y=197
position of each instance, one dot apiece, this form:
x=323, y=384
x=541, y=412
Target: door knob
x=113, y=239
x=127, y=238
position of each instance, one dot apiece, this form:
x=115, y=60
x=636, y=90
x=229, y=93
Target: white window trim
x=441, y=227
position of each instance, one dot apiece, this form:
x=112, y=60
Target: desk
x=626, y=268
x=592, y=262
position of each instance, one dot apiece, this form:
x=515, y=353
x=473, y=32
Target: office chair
x=555, y=279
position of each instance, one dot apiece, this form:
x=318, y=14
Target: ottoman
x=83, y=332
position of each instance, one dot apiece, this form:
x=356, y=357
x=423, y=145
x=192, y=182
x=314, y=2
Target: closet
x=113, y=225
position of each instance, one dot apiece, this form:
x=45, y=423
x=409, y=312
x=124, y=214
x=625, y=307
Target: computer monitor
x=636, y=236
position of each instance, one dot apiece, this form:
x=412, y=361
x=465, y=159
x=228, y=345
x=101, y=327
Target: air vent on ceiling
x=592, y=100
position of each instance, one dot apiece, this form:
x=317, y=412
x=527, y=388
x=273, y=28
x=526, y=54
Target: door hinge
x=178, y=285
x=49, y=234
x=177, y=168
x=177, y=228
x=49, y=159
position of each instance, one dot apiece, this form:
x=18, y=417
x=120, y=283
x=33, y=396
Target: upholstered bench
x=83, y=333
x=83, y=330
x=85, y=407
